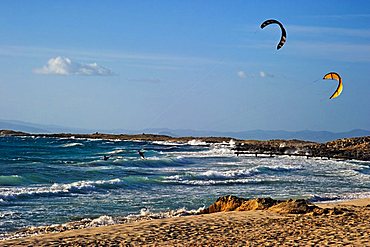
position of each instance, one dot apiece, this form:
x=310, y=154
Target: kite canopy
x=283, y=32
x=335, y=76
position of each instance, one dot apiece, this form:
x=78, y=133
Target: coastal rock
x=12, y=133
x=234, y=203
x=257, y=204
x=291, y=206
x=347, y=148
x=298, y=206
x=223, y=204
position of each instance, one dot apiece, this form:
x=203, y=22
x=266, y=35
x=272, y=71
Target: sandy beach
x=247, y=228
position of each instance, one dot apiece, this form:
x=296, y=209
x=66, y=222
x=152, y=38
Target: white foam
x=215, y=174
x=6, y=214
x=117, y=151
x=220, y=151
x=80, y=186
x=72, y=144
x=232, y=143
x=103, y=220
x=94, y=139
x=195, y=142
x=331, y=197
x=167, y=143
x=144, y=212
x=214, y=151
x=220, y=182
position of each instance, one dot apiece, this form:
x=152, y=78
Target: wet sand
x=251, y=228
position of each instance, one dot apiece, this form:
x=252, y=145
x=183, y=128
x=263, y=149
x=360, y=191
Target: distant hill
x=308, y=135
x=37, y=128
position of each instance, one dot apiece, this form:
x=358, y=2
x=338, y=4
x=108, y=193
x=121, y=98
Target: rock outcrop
x=291, y=206
x=348, y=148
x=298, y=206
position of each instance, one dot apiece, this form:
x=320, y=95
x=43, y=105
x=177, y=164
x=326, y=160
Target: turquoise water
x=46, y=181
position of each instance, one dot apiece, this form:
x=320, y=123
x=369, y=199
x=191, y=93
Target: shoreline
x=357, y=148
x=229, y=227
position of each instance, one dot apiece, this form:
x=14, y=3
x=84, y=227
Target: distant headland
x=357, y=148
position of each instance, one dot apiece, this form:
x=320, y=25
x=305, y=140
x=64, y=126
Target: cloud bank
x=65, y=66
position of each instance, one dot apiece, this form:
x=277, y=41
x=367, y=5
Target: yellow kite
x=335, y=76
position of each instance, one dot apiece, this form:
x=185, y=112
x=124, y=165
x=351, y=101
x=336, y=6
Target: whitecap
x=103, y=220
x=167, y=143
x=117, y=151
x=74, y=144
x=331, y=197
x=75, y=187
x=215, y=174
x=195, y=142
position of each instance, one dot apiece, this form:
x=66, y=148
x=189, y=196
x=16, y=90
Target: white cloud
x=242, y=74
x=65, y=66
x=265, y=74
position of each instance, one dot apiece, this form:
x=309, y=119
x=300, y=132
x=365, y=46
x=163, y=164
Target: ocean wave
x=11, y=180
x=217, y=176
x=7, y=194
x=74, y=144
x=117, y=151
x=219, y=151
x=145, y=212
x=5, y=214
x=221, y=182
x=103, y=220
x=195, y=142
x=156, y=162
x=167, y=143
x=279, y=168
x=338, y=197
x=209, y=153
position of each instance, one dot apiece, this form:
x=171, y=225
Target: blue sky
x=203, y=65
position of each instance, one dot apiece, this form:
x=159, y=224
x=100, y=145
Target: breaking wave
x=74, y=144
x=336, y=197
x=7, y=194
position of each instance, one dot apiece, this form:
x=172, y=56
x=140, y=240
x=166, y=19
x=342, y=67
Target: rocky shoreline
x=357, y=148
x=348, y=148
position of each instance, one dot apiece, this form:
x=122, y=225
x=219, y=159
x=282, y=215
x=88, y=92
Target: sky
x=201, y=65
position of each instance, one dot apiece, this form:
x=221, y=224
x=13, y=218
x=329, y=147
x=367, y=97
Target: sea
x=46, y=181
